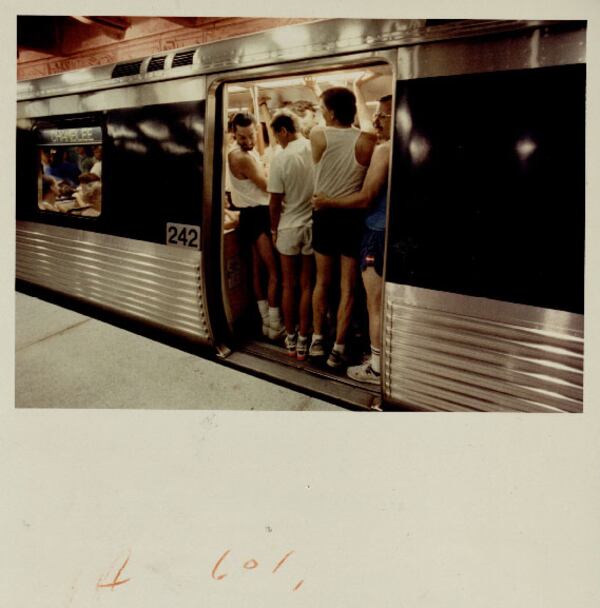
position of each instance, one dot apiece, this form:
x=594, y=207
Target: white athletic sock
x=339, y=348
x=263, y=308
x=274, y=317
x=316, y=337
x=376, y=359
x=302, y=338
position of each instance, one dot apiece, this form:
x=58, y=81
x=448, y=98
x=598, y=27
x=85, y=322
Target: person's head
x=338, y=105
x=285, y=127
x=382, y=119
x=49, y=189
x=98, y=152
x=306, y=113
x=244, y=130
x=83, y=151
x=91, y=189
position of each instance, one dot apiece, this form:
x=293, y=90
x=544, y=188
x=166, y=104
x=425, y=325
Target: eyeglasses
x=381, y=115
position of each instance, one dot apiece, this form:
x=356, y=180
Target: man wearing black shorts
x=341, y=154
x=249, y=194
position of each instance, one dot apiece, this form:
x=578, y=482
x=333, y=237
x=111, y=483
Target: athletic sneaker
x=290, y=344
x=336, y=359
x=276, y=331
x=316, y=349
x=364, y=373
x=301, y=349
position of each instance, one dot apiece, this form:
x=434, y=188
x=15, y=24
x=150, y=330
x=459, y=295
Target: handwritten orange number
x=117, y=580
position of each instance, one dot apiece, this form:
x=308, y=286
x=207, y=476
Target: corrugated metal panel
x=493, y=356
x=153, y=283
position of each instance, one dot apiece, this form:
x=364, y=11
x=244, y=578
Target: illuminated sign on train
x=82, y=135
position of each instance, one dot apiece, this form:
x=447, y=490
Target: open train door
x=483, y=300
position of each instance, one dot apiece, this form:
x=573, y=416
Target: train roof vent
x=183, y=58
x=157, y=63
x=126, y=69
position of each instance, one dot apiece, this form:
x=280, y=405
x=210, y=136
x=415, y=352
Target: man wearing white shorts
x=291, y=187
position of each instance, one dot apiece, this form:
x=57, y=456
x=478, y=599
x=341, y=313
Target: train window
x=70, y=171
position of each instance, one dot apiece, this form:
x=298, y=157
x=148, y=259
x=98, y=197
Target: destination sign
x=82, y=135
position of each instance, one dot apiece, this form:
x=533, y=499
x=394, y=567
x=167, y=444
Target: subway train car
x=484, y=272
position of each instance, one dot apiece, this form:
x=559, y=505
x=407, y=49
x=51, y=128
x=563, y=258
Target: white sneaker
x=276, y=331
x=364, y=373
x=290, y=343
x=316, y=349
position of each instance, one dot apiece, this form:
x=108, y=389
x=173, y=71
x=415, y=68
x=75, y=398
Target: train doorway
x=260, y=344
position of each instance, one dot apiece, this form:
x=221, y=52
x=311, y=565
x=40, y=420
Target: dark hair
x=385, y=99
x=283, y=120
x=242, y=119
x=342, y=103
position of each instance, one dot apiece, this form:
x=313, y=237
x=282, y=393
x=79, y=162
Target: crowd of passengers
x=71, y=180
x=316, y=198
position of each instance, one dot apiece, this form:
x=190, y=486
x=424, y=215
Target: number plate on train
x=183, y=235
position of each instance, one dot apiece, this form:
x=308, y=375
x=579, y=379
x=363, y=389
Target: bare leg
x=348, y=272
x=266, y=252
x=259, y=292
x=373, y=286
x=319, y=298
x=306, y=274
x=288, y=271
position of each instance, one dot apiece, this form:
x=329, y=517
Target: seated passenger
x=291, y=187
x=49, y=194
x=341, y=154
x=89, y=197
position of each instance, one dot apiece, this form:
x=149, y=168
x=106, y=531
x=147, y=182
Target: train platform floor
x=66, y=360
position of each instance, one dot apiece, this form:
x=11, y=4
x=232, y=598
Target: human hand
x=365, y=77
x=318, y=201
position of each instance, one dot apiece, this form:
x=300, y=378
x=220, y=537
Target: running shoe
x=364, y=373
x=276, y=331
x=316, y=349
x=336, y=360
x=290, y=344
x=301, y=349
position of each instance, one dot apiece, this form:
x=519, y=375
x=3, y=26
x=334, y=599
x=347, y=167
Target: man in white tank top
x=248, y=184
x=341, y=154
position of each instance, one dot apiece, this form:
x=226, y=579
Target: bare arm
x=243, y=166
x=311, y=83
x=265, y=116
x=318, y=143
x=260, y=142
x=375, y=181
x=365, y=120
x=275, y=203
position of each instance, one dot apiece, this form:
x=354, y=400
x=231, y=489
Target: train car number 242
x=183, y=235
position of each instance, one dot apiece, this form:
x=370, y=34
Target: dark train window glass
x=70, y=171
x=488, y=188
x=154, y=169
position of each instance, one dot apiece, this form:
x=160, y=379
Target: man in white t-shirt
x=291, y=187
